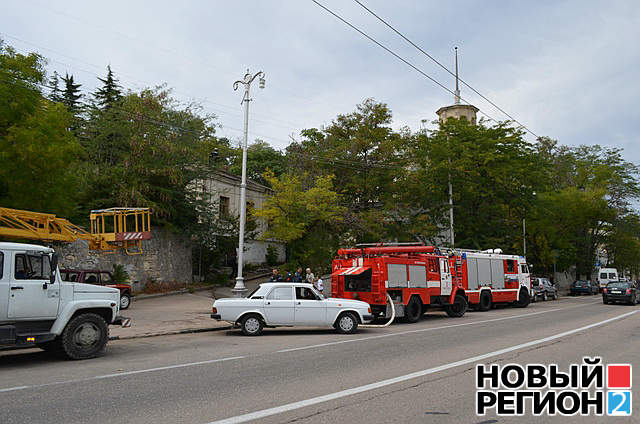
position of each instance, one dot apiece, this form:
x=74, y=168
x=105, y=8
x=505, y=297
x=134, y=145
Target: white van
x=605, y=276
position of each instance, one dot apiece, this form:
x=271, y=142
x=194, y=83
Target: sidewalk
x=181, y=313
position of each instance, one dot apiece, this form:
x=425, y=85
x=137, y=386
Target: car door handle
x=17, y=288
x=268, y=303
x=298, y=303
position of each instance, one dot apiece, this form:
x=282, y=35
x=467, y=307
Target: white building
x=223, y=191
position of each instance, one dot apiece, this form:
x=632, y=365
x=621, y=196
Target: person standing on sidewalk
x=309, y=278
x=297, y=277
x=320, y=286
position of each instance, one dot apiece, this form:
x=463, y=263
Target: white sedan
x=290, y=304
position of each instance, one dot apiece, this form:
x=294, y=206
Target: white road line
x=343, y=393
x=121, y=374
x=293, y=349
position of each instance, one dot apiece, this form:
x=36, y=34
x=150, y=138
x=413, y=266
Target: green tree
x=54, y=84
x=260, y=158
x=306, y=218
x=110, y=92
x=71, y=95
x=38, y=155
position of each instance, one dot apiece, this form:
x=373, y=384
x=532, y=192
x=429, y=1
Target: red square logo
x=619, y=376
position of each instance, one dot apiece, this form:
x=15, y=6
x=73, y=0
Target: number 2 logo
x=619, y=403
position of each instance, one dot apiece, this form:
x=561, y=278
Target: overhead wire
x=397, y=56
x=444, y=67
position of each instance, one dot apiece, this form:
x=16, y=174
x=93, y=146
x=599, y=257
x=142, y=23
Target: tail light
x=628, y=291
x=214, y=310
x=604, y=290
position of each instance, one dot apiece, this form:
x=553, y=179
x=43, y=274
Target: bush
x=120, y=274
x=272, y=255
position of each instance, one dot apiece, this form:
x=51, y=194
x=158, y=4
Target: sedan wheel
x=544, y=296
x=252, y=326
x=347, y=323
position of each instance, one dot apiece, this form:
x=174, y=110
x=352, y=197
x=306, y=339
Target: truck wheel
x=485, y=301
x=85, y=336
x=346, y=323
x=125, y=301
x=524, y=299
x=545, y=297
x=252, y=325
x=413, y=310
x=458, y=308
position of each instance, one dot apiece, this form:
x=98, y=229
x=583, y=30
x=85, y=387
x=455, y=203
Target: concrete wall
x=166, y=257
x=256, y=251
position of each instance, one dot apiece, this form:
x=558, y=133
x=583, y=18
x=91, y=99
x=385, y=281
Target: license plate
x=615, y=291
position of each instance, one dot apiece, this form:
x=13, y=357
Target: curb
x=171, y=333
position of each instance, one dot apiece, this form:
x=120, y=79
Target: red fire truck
x=418, y=278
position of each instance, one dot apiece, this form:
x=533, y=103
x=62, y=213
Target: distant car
x=583, y=287
x=543, y=289
x=100, y=278
x=621, y=291
x=288, y=305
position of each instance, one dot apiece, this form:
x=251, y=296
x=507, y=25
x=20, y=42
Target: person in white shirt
x=320, y=286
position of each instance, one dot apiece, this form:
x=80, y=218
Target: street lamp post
x=239, y=289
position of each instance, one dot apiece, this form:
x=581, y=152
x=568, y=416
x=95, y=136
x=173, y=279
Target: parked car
x=621, y=291
x=100, y=278
x=583, y=287
x=290, y=304
x=542, y=288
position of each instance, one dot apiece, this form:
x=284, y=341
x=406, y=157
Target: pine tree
x=109, y=93
x=71, y=95
x=56, y=93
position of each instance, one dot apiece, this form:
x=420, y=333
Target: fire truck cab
x=418, y=278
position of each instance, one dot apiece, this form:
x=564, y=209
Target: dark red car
x=101, y=278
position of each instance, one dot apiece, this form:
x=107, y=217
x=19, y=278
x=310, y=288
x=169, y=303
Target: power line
x=397, y=56
x=444, y=67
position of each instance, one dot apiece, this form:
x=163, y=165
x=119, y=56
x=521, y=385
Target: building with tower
x=457, y=110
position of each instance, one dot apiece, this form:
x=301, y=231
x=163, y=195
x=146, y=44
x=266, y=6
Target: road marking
x=293, y=349
x=383, y=383
x=121, y=374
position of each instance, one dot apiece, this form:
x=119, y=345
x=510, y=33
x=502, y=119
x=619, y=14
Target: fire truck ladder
x=111, y=229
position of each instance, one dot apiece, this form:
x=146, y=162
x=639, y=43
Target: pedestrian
x=275, y=276
x=309, y=277
x=297, y=277
x=320, y=286
x=288, y=277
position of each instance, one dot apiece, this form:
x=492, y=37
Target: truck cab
x=37, y=308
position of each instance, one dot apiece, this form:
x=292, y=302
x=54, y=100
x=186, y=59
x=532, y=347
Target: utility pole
x=239, y=289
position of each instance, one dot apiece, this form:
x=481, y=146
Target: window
x=305, y=293
x=358, y=283
x=524, y=269
x=511, y=267
x=91, y=278
x=32, y=267
x=613, y=276
x=71, y=276
x=105, y=278
x=224, y=206
x=280, y=293
x=1, y=264
x=603, y=276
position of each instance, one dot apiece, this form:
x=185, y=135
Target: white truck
x=38, y=309
x=604, y=276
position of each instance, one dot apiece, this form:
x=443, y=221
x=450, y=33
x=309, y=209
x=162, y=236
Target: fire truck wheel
x=524, y=299
x=414, y=310
x=346, y=323
x=485, y=301
x=458, y=308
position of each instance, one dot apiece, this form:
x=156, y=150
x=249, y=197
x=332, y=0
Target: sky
x=565, y=69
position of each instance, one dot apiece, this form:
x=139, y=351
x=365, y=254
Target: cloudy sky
x=565, y=69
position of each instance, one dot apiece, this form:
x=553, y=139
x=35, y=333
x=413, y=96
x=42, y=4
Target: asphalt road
x=415, y=373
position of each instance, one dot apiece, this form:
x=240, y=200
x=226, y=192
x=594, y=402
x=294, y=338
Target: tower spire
x=456, y=98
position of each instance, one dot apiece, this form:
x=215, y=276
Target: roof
x=23, y=246
x=237, y=180
x=285, y=283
